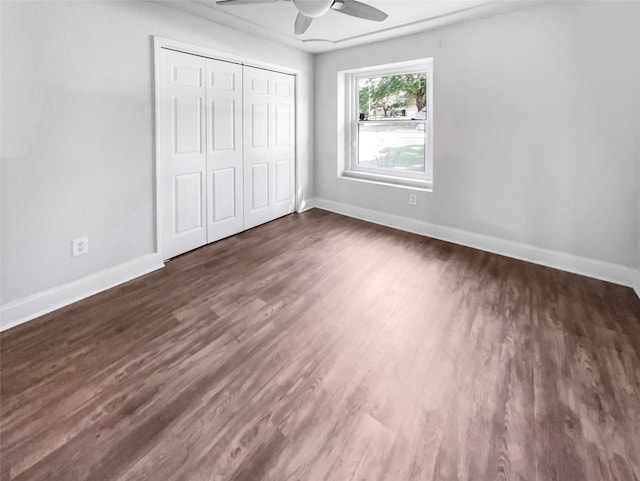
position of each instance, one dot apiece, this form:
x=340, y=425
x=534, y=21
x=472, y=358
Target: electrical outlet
x=413, y=199
x=80, y=246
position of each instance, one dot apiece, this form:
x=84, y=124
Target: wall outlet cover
x=79, y=246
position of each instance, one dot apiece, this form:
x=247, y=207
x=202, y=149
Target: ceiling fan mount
x=310, y=9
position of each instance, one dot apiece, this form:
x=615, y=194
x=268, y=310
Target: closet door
x=269, y=147
x=182, y=156
x=224, y=149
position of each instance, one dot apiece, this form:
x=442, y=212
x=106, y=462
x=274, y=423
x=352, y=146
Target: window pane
x=392, y=145
x=393, y=96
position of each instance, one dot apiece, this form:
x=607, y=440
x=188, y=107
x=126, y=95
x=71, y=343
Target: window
x=388, y=124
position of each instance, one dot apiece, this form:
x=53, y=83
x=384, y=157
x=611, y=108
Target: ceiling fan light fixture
x=313, y=8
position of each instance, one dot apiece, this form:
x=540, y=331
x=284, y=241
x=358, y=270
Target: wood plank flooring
x=319, y=347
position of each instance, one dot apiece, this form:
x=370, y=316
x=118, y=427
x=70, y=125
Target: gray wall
x=535, y=128
x=77, y=131
x=536, y=134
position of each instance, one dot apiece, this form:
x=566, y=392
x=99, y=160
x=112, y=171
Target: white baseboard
x=25, y=309
x=606, y=271
x=636, y=282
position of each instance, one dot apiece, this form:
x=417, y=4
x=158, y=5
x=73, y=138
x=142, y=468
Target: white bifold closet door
x=182, y=155
x=269, y=148
x=224, y=149
x=216, y=177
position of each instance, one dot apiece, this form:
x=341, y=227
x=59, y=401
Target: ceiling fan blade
x=243, y=2
x=359, y=9
x=302, y=23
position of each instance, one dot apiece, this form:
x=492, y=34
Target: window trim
x=348, y=166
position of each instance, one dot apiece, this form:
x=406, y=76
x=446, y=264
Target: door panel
x=282, y=181
x=187, y=128
x=224, y=151
x=283, y=88
x=224, y=79
x=283, y=124
x=223, y=182
x=260, y=83
x=269, y=149
x=222, y=114
x=182, y=156
x=260, y=126
x=259, y=186
x=187, y=191
x=186, y=74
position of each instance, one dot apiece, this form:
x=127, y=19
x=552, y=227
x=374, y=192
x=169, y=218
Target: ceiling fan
x=310, y=9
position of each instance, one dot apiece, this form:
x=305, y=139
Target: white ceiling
x=335, y=30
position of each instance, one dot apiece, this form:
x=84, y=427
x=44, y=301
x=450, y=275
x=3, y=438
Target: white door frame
x=162, y=42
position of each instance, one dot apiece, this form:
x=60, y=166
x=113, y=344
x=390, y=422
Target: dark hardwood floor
x=319, y=347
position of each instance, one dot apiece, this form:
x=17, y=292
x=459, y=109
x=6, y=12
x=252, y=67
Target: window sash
x=355, y=164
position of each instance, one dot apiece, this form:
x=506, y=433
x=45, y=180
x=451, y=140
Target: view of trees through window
x=393, y=96
x=391, y=127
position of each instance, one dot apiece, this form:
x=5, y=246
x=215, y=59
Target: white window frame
x=349, y=168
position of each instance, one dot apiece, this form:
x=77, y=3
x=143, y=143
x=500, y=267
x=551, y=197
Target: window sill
x=392, y=181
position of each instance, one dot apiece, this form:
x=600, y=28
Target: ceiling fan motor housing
x=313, y=8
